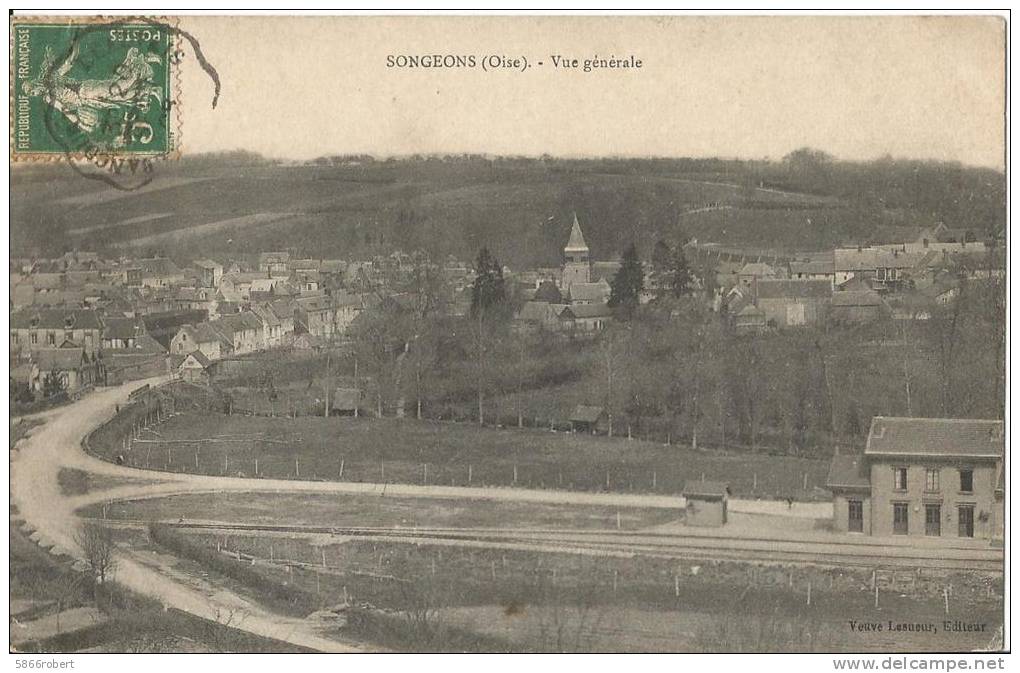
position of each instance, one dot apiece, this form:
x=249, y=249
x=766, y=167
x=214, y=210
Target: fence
x=365, y=567
x=133, y=438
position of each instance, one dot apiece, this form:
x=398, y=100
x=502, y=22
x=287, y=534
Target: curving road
x=50, y=514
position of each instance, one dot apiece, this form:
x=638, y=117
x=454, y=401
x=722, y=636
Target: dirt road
x=50, y=513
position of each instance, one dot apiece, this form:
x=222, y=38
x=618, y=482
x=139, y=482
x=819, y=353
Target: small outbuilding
x=194, y=367
x=706, y=502
x=345, y=402
x=587, y=418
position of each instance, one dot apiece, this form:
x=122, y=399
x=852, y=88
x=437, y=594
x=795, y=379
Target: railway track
x=668, y=545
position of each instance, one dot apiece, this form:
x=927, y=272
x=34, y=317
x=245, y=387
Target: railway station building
x=923, y=477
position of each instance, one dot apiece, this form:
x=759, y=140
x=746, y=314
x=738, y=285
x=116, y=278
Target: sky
x=856, y=87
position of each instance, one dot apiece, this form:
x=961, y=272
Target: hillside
x=518, y=207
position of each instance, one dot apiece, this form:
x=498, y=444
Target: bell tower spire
x=577, y=267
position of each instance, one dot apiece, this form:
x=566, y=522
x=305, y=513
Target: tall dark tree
x=490, y=310
x=662, y=266
x=488, y=294
x=628, y=282
x=680, y=273
x=53, y=383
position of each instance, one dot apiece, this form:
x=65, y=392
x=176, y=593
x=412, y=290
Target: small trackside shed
x=345, y=402
x=588, y=419
x=706, y=502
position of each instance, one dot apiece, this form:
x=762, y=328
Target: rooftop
x=856, y=298
x=848, y=472
x=705, y=489
x=944, y=437
x=584, y=413
x=801, y=289
x=757, y=269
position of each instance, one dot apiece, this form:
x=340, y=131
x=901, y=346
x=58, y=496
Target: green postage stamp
x=82, y=87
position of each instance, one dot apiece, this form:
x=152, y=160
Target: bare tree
x=422, y=598
x=571, y=618
x=946, y=323
x=65, y=586
x=96, y=543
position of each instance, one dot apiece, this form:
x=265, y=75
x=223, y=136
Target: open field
x=325, y=510
x=233, y=225
x=457, y=204
x=386, y=450
x=604, y=604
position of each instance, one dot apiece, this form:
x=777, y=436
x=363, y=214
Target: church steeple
x=576, y=242
x=577, y=267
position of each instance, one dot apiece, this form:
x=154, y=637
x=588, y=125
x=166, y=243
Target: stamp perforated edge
x=174, y=72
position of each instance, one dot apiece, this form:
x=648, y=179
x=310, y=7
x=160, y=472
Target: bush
x=294, y=600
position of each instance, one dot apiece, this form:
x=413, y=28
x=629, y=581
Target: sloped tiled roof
x=536, y=311
x=584, y=413
x=793, y=289
x=158, y=266
x=750, y=310
x=57, y=359
x=848, y=472
x=601, y=310
x=948, y=437
x=856, y=298
x=200, y=358
x=56, y=319
x=589, y=291
x=122, y=328
x=705, y=489
x=869, y=259
x=812, y=268
x=757, y=269
x=549, y=293
x=319, y=303
x=246, y=320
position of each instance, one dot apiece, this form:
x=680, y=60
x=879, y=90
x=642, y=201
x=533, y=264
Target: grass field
x=520, y=600
x=325, y=510
x=387, y=450
x=457, y=205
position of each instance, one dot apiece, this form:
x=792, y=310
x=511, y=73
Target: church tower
x=577, y=268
